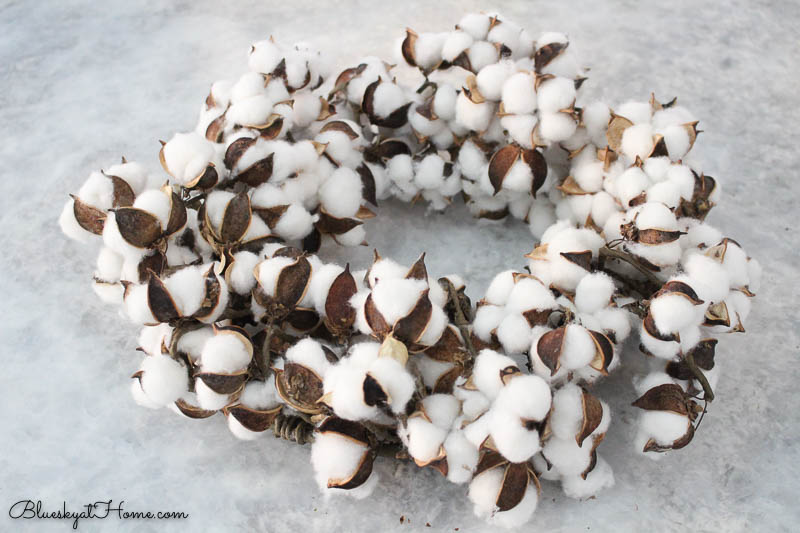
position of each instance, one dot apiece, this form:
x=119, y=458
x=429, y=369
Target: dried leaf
x=270, y=215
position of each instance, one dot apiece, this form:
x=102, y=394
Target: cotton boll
x=579, y=348
x=240, y=272
x=264, y=57
x=616, y=321
x=136, y=305
x=672, y=313
x=513, y=440
x=541, y=216
x=636, y=112
x=656, y=168
x=140, y=397
x=527, y=397
x=529, y=293
x=703, y=234
x=69, y=225
x=520, y=128
x=486, y=372
x=340, y=147
x=655, y=215
x=567, y=415
x=603, y=206
x=735, y=264
x=596, y=117
x=677, y=141
x=594, y=292
x=357, y=302
x=556, y=127
x=424, y=440
x=442, y=409
x=518, y=94
x=713, y=278
x=320, y=285
x=431, y=370
x=566, y=456
x=436, y=325
x=480, y=54
x=97, y=191
x=483, y=491
x=385, y=269
x=225, y=353
x=487, y=319
x=490, y=79
x=428, y=49
x=163, y=379
x=514, y=333
x=295, y=223
x=601, y=477
x=334, y=456
x=652, y=380
x=187, y=155
x=109, y=265
x=455, y=43
x=309, y=353
x=395, y=298
x=475, y=24
x=430, y=172
x=346, y=381
x=208, y=399
x=521, y=513
x=191, y=343
x=580, y=205
x=387, y=98
x=631, y=184
x=664, y=427
x=662, y=349
x=395, y=380
x=267, y=273
x=187, y=288
x=151, y=338
x=666, y=192
x=589, y=176
x=474, y=117
x=637, y=141
x=682, y=176
x=555, y=94
x=500, y=288
x=340, y=195
x=462, y=457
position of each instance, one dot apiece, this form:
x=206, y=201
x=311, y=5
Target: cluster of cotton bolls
x=216, y=262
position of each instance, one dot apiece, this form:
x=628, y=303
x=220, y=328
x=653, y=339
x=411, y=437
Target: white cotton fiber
x=424, y=439
x=335, y=457
x=480, y=54
x=264, y=57
x=594, y=292
x=442, y=409
x=140, y=397
x=556, y=126
x=713, y=279
x=346, y=381
x=663, y=349
x=615, y=320
x=666, y=192
x=656, y=168
x=500, y=288
x=637, y=141
x=455, y=43
x=601, y=477
x=677, y=141
x=267, y=272
x=207, y=398
x=514, y=333
x=475, y=24
x=395, y=380
x=295, y=223
x=519, y=177
x=484, y=489
x=579, y=348
x=566, y=456
x=596, y=117
x=631, y=184
x=518, y=94
x=513, y=440
x=664, y=426
x=486, y=372
x=491, y=78
x=462, y=457
x=672, y=313
x=260, y=394
x=529, y=293
x=395, y=298
x=682, y=176
x=435, y=327
x=487, y=318
x=589, y=176
x=655, y=215
x=555, y=94
x=428, y=49
x=567, y=415
x=636, y=112
x=340, y=194
x=164, y=379
x=225, y=353
x=387, y=98
x=136, y=305
x=472, y=116
x=69, y=225
x=240, y=272
x=430, y=172
x=187, y=155
x=526, y=396
x=309, y=353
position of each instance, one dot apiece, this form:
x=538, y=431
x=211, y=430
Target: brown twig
x=652, y=279
x=460, y=319
x=688, y=358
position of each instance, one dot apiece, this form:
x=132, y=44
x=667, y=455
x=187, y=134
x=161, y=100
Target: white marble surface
x=85, y=82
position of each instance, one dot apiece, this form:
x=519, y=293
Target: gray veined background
x=82, y=83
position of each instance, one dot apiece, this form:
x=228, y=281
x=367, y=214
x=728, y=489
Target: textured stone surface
x=85, y=82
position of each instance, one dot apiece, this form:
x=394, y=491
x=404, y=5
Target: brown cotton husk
x=341, y=126
x=375, y=320
x=235, y=151
x=123, y=195
x=681, y=288
x=650, y=327
x=418, y=270
x=395, y=119
x=216, y=129
x=160, y=301
x=339, y=314
x=137, y=227
x=667, y=397
x=258, y=173
x=88, y=217
x=717, y=315
x=368, y=188
x=335, y=226
x=582, y=259
x=616, y=128
x=235, y=220
x=407, y=47
x=410, y=328
x=449, y=348
x=703, y=355
x=211, y=296
x=570, y=187
x=256, y=420
x=271, y=215
x=604, y=352
x=177, y=212
x=300, y=387
x=548, y=53
x=303, y=319
x=192, y=411
x=592, y=416
x=223, y=383
x=549, y=348
x=292, y=282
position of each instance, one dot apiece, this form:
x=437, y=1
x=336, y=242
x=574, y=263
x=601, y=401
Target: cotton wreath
x=217, y=262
